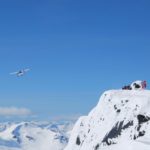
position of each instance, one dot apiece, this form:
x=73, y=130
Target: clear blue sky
x=76, y=49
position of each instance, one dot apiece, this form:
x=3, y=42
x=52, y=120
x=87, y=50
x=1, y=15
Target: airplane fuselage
x=20, y=73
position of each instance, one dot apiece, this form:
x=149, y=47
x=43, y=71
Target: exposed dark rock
x=115, y=107
x=78, y=142
x=139, y=127
x=142, y=133
x=142, y=119
x=96, y=147
x=116, y=131
x=126, y=101
x=118, y=110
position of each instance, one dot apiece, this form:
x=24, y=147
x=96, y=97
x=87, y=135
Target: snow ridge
x=120, y=117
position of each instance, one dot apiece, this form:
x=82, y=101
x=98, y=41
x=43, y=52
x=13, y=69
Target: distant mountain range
x=34, y=135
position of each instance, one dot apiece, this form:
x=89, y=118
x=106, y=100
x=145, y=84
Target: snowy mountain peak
x=121, y=116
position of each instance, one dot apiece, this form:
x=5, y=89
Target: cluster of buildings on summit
x=136, y=85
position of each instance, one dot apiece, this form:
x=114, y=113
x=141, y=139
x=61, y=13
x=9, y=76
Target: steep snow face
x=34, y=136
x=121, y=116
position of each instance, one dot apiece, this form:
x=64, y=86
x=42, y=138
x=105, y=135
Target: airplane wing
x=26, y=70
x=13, y=73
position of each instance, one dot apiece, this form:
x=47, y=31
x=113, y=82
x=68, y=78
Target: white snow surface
x=34, y=136
x=120, y=121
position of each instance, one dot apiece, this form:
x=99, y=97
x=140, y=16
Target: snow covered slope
x=120, y=121
x=34, y=136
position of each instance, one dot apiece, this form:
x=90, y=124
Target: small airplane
x=20, y=72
